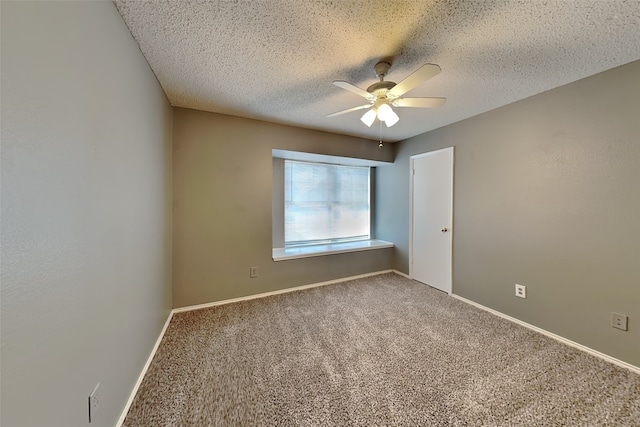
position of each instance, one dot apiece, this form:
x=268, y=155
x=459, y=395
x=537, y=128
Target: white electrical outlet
x=94, y=402
x=253, y=272
x=521, y=291
x=619, y=321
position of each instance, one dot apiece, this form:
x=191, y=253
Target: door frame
x=411, y=196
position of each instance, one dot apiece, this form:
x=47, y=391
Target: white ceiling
x=275, y=60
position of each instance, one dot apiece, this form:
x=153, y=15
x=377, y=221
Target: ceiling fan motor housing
x=380, y=89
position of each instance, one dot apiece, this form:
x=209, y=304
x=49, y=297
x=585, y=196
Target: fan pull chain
x=381, y=144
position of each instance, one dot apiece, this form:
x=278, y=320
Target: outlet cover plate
x=521, y=291
x=619, y=321
x=253, y=272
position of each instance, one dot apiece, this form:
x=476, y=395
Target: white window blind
x=325, y=203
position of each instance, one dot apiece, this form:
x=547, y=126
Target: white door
x=431, y=218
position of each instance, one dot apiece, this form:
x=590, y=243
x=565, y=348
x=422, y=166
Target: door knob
x=444, y=230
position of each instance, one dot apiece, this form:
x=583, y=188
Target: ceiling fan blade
x=419, y=102
x=355, y=89
x=359, y=107
x=422, y=74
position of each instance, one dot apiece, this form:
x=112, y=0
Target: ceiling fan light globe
x=390, y=122
x=384, y=112
x=368, y=117
x=391, y=119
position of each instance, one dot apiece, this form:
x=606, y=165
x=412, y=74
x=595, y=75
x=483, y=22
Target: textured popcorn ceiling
x=275, y=60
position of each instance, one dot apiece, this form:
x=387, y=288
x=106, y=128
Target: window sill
x=295, y=252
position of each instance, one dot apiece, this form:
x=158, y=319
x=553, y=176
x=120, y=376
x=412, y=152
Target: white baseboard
x=400, y=273
x=563, y=340
x=278, y=292
x=132, y=396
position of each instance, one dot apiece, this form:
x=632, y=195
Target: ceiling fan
x=381, y=96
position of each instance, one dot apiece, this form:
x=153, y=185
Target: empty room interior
x=320, y=213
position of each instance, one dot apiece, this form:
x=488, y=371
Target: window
x=325, y=203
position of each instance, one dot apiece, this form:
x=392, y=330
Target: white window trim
x=307, y=251
x=324, y=158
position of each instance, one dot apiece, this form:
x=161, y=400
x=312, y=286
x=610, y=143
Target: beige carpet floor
x=379, y=351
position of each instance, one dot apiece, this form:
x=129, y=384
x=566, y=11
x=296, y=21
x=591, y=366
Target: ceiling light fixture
x=387, y=115
x=369, y=117
x=383, y=112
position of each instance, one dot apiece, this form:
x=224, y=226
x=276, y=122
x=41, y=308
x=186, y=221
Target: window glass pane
x=325, y=202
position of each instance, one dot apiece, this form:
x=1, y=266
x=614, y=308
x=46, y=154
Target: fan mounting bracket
x=381, y=69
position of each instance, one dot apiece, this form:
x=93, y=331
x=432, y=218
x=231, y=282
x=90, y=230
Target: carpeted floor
x=379, y=351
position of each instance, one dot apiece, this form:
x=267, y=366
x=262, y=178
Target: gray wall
x=86, y=212
x=222, y=214
x=547, y=194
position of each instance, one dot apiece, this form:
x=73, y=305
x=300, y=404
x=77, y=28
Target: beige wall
x=86, y=212
x=547, y=194
x=222, y=216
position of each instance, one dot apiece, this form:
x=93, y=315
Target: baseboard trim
x=132, y=396
x=400, y=273
x=278, y=292
x=563, y=340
